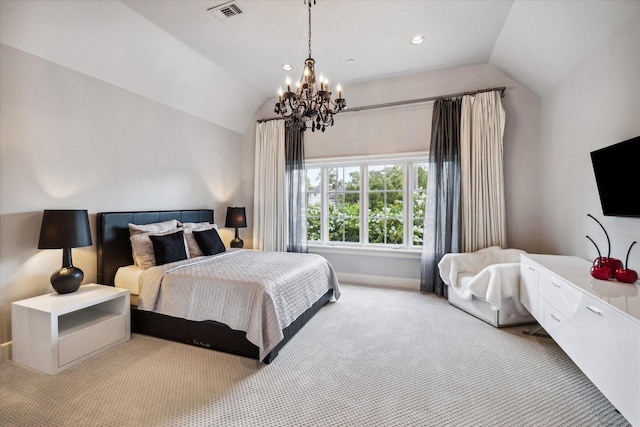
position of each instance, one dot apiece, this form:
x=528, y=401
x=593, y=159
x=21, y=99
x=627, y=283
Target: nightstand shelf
x=54, y=332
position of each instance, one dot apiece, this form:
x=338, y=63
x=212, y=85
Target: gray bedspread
x=253, y=291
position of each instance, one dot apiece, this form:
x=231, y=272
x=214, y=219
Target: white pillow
x=189, y=228
x=192, y=225
x=142, y=248
x=156, y=227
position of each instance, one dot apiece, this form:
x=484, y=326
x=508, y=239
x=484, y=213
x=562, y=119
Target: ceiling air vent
x=226, y=10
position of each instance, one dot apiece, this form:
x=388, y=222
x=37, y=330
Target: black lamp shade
x=236, y=218
x=64, y=229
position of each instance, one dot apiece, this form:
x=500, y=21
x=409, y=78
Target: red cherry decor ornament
x=626, y=275
x=599, y=270
x=612, y=263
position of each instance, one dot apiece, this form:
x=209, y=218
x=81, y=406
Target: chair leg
x=535, y=333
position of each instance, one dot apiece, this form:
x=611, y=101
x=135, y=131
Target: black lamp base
x=67, y=279
x=236, y=243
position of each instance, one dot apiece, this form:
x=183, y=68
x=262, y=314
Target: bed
x=115, y=260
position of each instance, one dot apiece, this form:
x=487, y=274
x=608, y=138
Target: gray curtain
x=295, y=189
x=442, y=210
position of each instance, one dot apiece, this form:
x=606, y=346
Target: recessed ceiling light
x=287, y=67
x=351, y=61
x=417, y=40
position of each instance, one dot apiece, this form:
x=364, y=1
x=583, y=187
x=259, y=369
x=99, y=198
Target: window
x=367, y=202
x=386, y=203
x=314, y=203
x=343, y=200
x=419, y=199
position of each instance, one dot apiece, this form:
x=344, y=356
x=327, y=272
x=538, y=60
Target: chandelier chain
x=310, y=27
x=309, y=3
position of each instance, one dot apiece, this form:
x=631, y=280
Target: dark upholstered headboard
x=114, y=246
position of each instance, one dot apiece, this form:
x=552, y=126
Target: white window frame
x=407, y=159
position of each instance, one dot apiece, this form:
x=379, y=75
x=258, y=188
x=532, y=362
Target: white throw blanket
x=491, y=274
x=258, y=292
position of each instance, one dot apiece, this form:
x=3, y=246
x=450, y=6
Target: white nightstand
x=56, y=331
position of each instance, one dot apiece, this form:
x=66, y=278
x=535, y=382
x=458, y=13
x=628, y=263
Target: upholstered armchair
x=490, y=276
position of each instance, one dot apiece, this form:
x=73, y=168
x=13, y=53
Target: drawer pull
x=555, y=284
x=553, y=316
x=594, y=309
x=532, y=269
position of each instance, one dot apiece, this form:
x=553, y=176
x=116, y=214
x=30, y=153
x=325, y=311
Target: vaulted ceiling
x=535, y=42
x=178, y=53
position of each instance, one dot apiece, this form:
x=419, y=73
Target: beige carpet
x=377, y=357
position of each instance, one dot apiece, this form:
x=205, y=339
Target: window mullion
x=325, y=205
x=408, y=204
x=364, y=205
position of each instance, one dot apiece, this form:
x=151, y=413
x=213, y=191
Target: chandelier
x=310, y=105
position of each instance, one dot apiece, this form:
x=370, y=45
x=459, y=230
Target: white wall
x=68, y=140
x=596, y=105
x=408, y=129
x=109, y=41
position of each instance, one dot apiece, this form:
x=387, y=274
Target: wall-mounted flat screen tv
x=617, y=171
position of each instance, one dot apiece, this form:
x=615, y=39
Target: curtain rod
x=410, y=101
x=268, y=120
x=416, y=101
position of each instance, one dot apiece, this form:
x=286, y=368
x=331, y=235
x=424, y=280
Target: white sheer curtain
x=482, y=175
x=270, y=201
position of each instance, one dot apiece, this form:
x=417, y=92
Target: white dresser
x=56, y=331
x=595, y=322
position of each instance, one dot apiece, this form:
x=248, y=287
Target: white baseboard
x=5, y=351
x=381, y=281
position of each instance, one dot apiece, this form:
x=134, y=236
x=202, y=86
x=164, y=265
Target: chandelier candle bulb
x=339, y=89
x=288, y=84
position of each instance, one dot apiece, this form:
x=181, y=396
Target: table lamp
x=236, y=218
x=65, y=229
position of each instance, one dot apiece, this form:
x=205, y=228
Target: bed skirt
x=215, y=335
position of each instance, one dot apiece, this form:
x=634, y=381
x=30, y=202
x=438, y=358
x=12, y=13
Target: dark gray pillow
x=209, y=241
x=169, y=248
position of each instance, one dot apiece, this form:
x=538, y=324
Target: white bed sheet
x=127, y=278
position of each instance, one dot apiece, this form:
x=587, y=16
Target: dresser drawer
x=614, y=354
x=560, y=294
x=83, y=342
x=529, y=285
x=564, y=333
x=604, y=322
